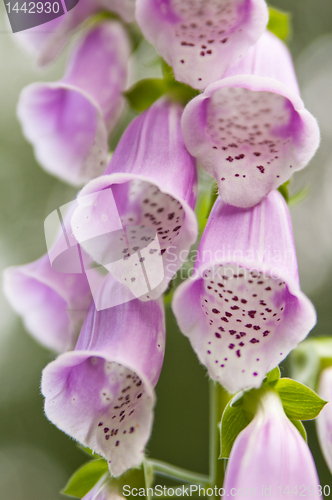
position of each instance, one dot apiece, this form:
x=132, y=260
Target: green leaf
x=279, y=23
x=299, y=402
x=300, y=427
x=85, y=478
x=234, y=420
x=145, y=92
x=273, y=376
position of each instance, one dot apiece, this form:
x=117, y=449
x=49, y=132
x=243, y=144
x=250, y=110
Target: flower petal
x=250, y=131
x=98, y=67
x=200, y=40
x=102, y=393
x=47, y=40
x=270, y=457
x=324, y=419
x=153, y=180
x=53, y=293
x=243, y=310
x=68, y=122
x=53, y=305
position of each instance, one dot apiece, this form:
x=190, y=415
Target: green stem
x=173, y=472
x=218, y=401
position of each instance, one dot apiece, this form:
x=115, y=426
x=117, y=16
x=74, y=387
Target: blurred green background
x=36, y=459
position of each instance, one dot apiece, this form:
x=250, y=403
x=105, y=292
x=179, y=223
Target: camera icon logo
x=23, y=14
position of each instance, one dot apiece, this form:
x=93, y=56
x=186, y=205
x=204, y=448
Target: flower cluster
x=243, y=310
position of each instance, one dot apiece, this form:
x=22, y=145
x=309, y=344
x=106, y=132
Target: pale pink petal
x=200, y=40
x=270, y=459
x=243, y=309
x=102, y=393
x=68, y=122
x=250, y=131
x=324, y=419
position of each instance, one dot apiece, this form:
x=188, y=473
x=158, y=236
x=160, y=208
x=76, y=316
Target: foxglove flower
x=270, y=458
x=250, y=131
x=52, y=294
x=324, y=419
x=102, y=392
x=201, y=39
x=242, y=309
x=47, y=40
x=53, y=305
x=68, y=122
x=153, y=180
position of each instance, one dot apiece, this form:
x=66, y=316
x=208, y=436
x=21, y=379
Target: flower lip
x=114, y=429
x=80, y=143
x=250, y=133
x=43, y=296
x=243, y=338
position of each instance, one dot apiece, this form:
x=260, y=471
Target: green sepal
x=85, y=478
x=88, y=451
x=300, y=427
x=299, y=402
x=299, y=196
x=273, y=376
x=233, y=421
x=284, y=190
x=279, y=23
x=145, y=92
x=141, y=478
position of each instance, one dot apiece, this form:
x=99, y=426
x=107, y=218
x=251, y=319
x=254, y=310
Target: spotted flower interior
x=205, y=25
x=120, y=405
x=243, y=309
x=252, y=133
x=200, y=39
x=150, y=207
x=152, y=222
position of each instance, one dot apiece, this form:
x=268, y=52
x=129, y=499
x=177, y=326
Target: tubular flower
x=242, y=309
x=68, y=121
x=102, y=392
x=201, y=39
x=47, y=40
x=250, y=131
x=52, y=294
x=324, y=419
x=270, y=457
x=153, y=180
